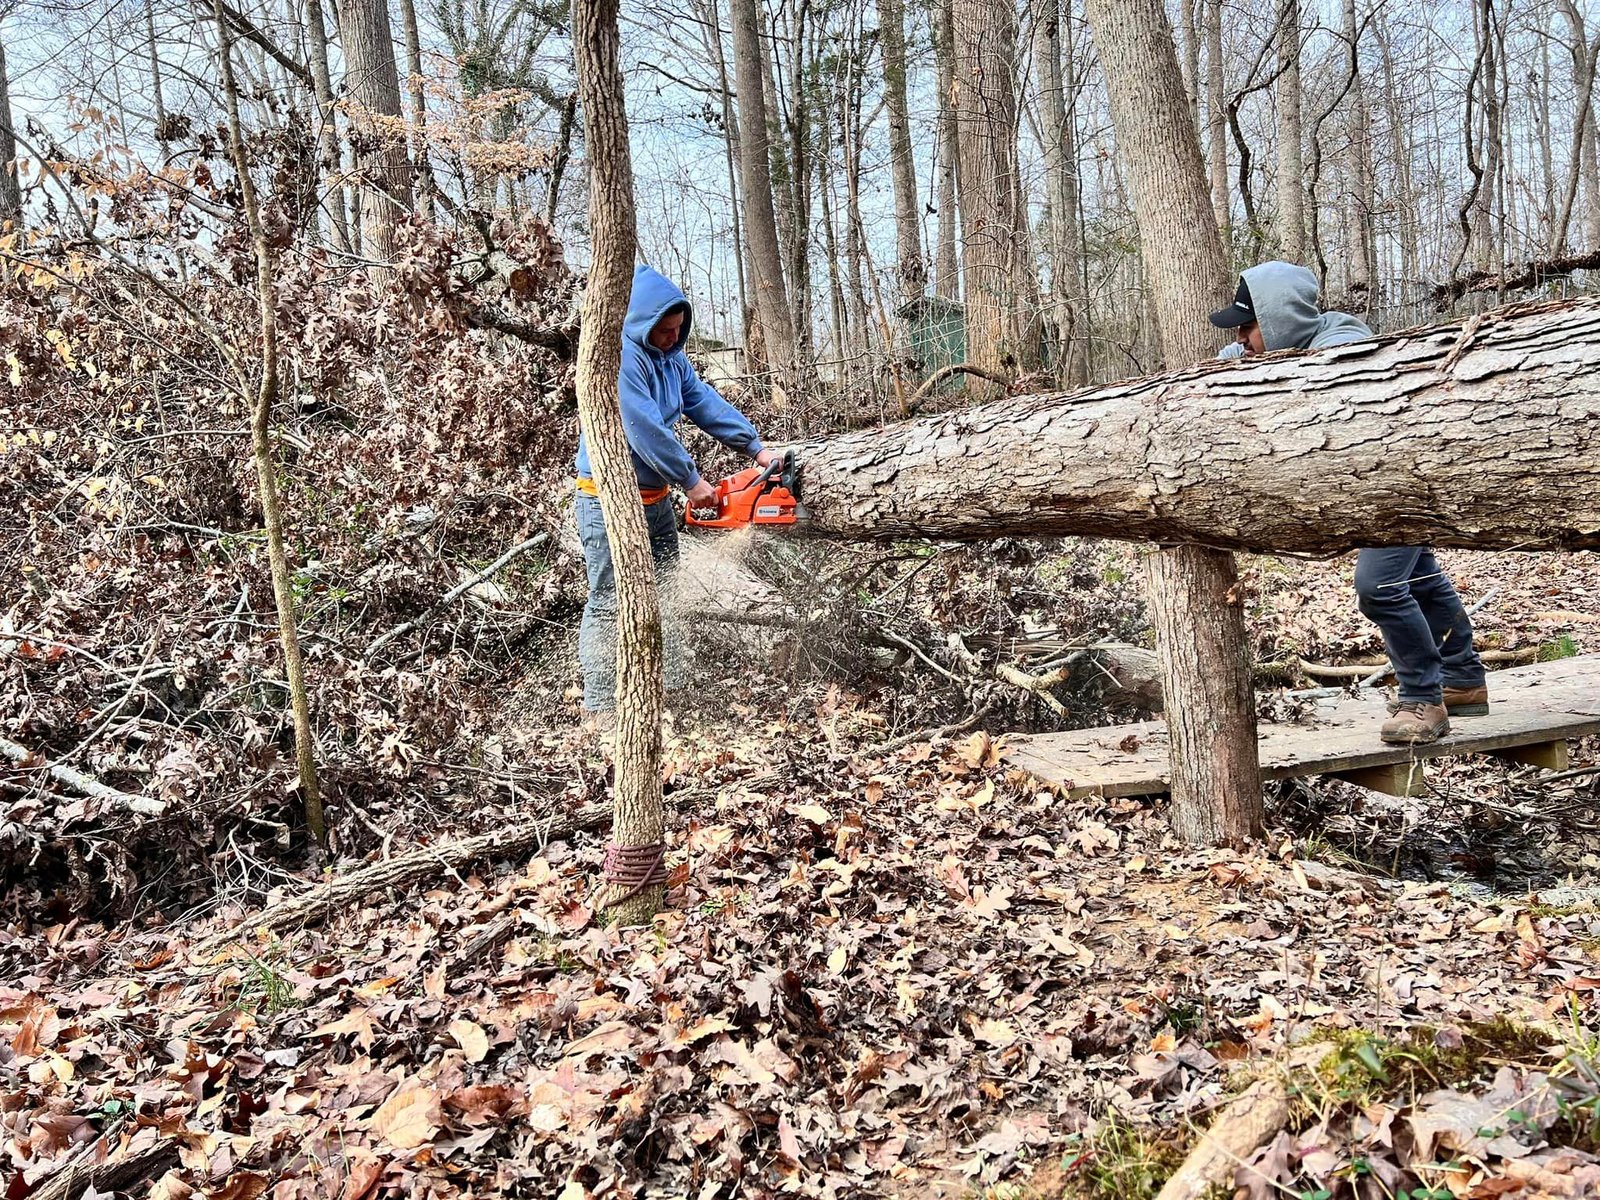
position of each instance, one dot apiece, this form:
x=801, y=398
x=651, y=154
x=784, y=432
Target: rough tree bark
x=1488, y=430
x=636, y=878
x=419, y=107
x=1362, y=269
x=1291, y=170
x=760, y=217
x=947, y=264
x=1068, y=289
x=264, y=451
x=1217, y=122
x=373, y=83
x=10, y=185
x=985, y=34
x=327, y=125
x=1194, y=597
x=913, y=271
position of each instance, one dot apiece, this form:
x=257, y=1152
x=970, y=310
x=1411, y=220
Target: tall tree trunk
x=10, y=184
x=799, y=138
x=1291, y=169
x=986, y=169
x=761, y=221
x=1363, y=198
x=913, y=272
x=1067, y=287
x=712, y=19
x=1483, y=209
x=157, y=91
x=947, y=263
x=1194, y=592
x=1220, y=453
x=373, y=83
x=419, y=108
x=265, y=453
x=635, y=872
x=1189, y=27
x=1401, y=150
x=1582, y=161
x=1217, y=125
x=327, y=129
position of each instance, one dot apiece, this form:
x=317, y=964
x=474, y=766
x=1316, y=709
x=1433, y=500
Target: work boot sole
x=1417, y=737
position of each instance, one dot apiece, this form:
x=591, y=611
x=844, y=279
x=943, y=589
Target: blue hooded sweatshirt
x=659, y=386
x=1285, y=300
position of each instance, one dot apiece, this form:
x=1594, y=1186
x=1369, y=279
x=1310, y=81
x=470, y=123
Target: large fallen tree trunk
x=1483, y=434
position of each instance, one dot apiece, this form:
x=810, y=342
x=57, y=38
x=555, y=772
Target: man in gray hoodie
x=1400, y=588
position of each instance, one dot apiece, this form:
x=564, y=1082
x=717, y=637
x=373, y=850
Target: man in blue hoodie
x=1402, y=589
x=656, y=386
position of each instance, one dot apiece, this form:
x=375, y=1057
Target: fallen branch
x=1362, y=670
x=931, y=384
x=83, y=784
x=401, y=872
x=104, y=1175
x=1237, y=1133
x=457, y=592
x=927, y=735
x=1518, y=279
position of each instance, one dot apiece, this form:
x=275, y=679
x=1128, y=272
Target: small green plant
x=1560, y=647
x=262, y=987
x=1119, y=1162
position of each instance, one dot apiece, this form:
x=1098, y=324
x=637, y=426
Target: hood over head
x=654, y=296
x=1285, y=299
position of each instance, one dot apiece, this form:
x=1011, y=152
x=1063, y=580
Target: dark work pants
x=597, y=635
x=1425, y=627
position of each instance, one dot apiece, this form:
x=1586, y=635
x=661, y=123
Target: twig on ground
x=83, y=784
x=456, y=593
x=927, y=735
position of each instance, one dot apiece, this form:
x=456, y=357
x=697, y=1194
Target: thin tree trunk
x=10, y=184
x=1194, y=598
x=265, y=453
x=947, y=262
x=1484, y=207
x=1189, y=27
x=1291, y=168
x=1067, y=286
x=563, y=155
x=636, y=874
x=157, y=92
x=419, y=109
x=799, y=131
x=761, y=222
x=986, y=168
x=1401, y=150
x=913, y=272
x=712, y=17
x=373, y=83
x=1363, y=198
x=1217, y=124
x=1582, y=156
x=327, y=128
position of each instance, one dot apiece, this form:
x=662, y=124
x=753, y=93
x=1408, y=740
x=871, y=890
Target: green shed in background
x=936, y=334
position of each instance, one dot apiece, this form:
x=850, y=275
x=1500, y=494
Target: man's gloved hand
x=1232, y=350
x=702, y=495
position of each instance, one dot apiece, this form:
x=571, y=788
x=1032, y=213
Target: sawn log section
x=1483, y=434
x=1529, y=706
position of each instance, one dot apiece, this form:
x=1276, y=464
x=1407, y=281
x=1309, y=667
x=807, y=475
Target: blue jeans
x=1425, y=628
x=597, y=635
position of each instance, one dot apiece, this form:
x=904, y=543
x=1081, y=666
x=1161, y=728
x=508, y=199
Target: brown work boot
x=1467, y=702
x=1415, y=724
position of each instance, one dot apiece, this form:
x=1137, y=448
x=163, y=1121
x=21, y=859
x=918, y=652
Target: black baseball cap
x=1240, y=312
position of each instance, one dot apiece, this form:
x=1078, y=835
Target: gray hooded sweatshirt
x=1285, y=299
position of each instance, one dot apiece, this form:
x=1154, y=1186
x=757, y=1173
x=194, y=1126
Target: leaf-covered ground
x=905, y=974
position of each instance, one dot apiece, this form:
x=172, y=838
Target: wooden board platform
x=1532, y=706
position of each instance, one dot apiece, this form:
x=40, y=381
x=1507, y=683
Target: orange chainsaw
x=768, y=495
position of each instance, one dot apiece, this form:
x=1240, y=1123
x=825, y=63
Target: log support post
x=1552, y=756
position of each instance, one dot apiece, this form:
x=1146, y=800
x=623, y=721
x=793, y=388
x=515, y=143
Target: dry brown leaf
x=363, y=1177
x=996, y=1033
x=409, y=1117
x=170, y=1187
x=612, y=1036
x=469, y=1035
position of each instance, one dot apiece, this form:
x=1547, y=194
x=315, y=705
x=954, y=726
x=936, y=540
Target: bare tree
x=635, y=872
x=265, y=451
x=1291, y=172
x=1069, y=292
x=947, y=263
x=1217, y=122
x=1362, y=248
x=913, y=271
x=327, y=128
x=993, y=263
x=373, y=83
x=10, y=185
x=760, y=217
x=1195, y=597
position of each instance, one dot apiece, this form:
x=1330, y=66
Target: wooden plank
x=1395, y=779
x=1540, y=705
x=1552, y=756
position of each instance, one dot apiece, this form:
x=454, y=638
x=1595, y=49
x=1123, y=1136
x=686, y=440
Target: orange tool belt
x=647, y=495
